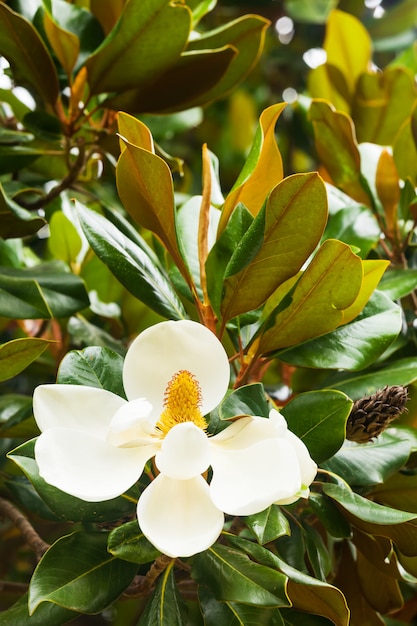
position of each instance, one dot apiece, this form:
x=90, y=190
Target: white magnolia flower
x=94, y=444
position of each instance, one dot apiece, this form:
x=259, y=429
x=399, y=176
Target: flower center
x=182, y=402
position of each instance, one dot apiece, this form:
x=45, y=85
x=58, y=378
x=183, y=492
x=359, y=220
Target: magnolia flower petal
x=308, y=468
x=87, y=467
x=164, y=349
x=185, y=452
x=244, y=432
x=248, y=480
x=132, y=425
x=88, y=409
x=178, y=516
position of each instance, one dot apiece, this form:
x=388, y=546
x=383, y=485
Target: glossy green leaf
x=305, y=592
x=246, y=35
x=222, y=251
x=268, y=525
x=64, y=241
x=94, y=366
x=378, y=116
x=46, y=614
x=246, y=400
x=401, y=372
x=233, y=577
x=137, y=50
x=166, y=607
x=317, y=553
x=176, y=89
x=15, y=411
x=86, y=577
x=233, y=614
x=372, y=463
x=27, y=55
x=145, y=187
x=355, y=345
x=84, y=333
x=278, y=232
x=187, y=219
x=329, y=515
x=26, y=496
x=330, y=284
x=127, y=542
x=17, y=354
x=131, y=265
x=375, y=519
x=319, y=419
x=356, y=226
x=334, y=134
x=398, y=283
x=40, y=292
x=15, y=221
x=68, y=507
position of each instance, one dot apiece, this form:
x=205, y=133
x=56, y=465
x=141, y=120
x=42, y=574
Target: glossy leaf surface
x=233, y=577
x=94, y=367
x=279, y=231
x=131, y=265
x=330, y=284
x=166, y=607
x=17, y=354
x=86, y=577
x=127, y=542
x=354, y=346
x=375, y=519
x=27, y=54
x=372, y=463
x=137, y=49
x=319, y=419
x=334, y=133
x=40, y=293
x=305, y=592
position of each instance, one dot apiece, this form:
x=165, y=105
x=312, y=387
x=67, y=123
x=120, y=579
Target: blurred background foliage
x=361, y=75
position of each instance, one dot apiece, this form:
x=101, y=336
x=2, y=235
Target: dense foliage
x=123, y=125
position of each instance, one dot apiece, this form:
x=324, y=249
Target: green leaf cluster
x=291, y=235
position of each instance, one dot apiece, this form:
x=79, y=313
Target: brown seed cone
x=370, y=416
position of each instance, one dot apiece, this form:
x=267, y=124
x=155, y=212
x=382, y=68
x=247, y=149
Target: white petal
x=278, y=420
x=74, y=406
x=132, y=425
x=247, y=480
x=87, y=467
x=178, y=516
x=164, y=349
x=308, y=467
x=185, y=452
x=244, y=432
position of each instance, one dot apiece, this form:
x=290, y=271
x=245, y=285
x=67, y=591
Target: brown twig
x=8, y=586
x=142, y=585
x=7, y=509
x=65, y=183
